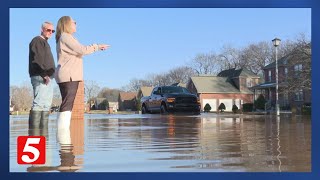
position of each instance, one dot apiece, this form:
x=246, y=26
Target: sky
x=148, y=41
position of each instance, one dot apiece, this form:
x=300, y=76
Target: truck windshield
x=174, y=90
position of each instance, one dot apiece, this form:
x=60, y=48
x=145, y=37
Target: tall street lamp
x=276, y=43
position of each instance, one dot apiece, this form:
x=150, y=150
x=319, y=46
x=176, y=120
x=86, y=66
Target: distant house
x=229, y=87
x=104, y=103
x=100, y=103
x=127, y=101
x=113, y=102
x=294, y=74
x=114, y=105
x=242, y=78
x=144, y=91
x=11, y=107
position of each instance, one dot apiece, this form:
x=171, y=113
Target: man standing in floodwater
x=41, y=71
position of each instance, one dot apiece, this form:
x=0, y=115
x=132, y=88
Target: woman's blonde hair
x=64, y=25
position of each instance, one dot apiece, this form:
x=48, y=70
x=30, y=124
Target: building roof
x=127, y=95
x=146, y=90
x=108, y=98
x=99, y=100
x=213, y=84
x=231, y=73
x=281, y=62
x=269, y=85
x=112, y=98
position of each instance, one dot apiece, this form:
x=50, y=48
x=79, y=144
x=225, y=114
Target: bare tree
x=299, y=61
x=229, y=58
x=22, y=97
x=91, y=89
x=135, y=85
x=161, y=79
x=256, y=56
x=285, y=48
x=180, y=74
x=111, y=94
x=205, y=63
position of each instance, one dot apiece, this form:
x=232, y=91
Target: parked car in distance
x=54, y=109
x=169, y=99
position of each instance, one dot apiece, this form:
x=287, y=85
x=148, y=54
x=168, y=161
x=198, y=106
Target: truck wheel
x=197, y=113
x=163, y=109
x=143, y=110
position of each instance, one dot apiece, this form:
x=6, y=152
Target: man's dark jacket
x=41, y=61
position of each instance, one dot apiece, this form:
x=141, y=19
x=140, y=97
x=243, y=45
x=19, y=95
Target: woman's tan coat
x=70, y=52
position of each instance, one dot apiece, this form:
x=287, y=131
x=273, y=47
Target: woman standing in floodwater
x=69, y=71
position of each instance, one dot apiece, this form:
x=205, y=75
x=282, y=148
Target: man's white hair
x=45, y=24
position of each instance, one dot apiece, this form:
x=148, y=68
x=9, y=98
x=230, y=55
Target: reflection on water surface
x=158, y=143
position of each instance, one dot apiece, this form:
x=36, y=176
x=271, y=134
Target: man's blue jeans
x=42, y=94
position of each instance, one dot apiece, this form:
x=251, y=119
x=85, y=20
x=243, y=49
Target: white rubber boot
x=63, y=127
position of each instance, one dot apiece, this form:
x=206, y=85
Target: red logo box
x=31, y=150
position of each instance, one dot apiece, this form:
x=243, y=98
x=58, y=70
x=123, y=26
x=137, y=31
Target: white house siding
x=114, y=105
x=211, y=102
x=227, y=102
x=238, y=103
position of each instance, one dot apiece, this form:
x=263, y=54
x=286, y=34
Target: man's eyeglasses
x=50, y=30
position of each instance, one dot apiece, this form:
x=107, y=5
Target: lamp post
x=276, y=43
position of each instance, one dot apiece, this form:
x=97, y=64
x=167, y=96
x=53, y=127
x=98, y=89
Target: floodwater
x=173, y=143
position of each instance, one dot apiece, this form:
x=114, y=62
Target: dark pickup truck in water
x=169, y=99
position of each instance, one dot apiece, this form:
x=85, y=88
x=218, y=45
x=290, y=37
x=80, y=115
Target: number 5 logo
x=31, y=150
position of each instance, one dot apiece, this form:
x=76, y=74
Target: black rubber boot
x=44, y=123
x=34, y=119
x=34, y=122
x=44, y=119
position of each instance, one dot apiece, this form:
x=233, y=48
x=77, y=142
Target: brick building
x=127, y=101
x=144, y=91
x=229, y=87
x=294, y=80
